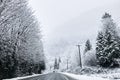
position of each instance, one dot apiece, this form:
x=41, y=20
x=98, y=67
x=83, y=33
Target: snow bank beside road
x=35, y=75
x=84, y=77
x=110, y=76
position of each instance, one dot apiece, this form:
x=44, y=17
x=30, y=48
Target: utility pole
x=79, y=55
x=67, y=63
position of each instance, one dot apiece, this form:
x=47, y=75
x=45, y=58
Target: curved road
x=50, y=76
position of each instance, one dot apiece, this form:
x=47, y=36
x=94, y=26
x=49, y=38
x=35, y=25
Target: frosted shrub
x=90, y=58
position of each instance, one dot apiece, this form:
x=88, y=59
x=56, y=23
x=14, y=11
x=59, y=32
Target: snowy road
x=50, y=76
x=58, y=76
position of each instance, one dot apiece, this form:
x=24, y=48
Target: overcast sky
x=72, y=20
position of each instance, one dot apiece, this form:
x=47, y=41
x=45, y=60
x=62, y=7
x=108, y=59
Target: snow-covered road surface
x=59, y=76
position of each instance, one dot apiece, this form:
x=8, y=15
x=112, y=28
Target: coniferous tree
x=55, y=64
x=88, y=46
x=107, y=47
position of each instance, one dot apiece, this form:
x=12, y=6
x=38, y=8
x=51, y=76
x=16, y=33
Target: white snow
x=110, y=76
x=84, y=77
x=34, y=75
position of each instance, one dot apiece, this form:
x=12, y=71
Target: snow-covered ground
x=34, y=75
x=84, y=77
x=77, y=77
x=110, y=76
x=93, y=73
x=84, y=74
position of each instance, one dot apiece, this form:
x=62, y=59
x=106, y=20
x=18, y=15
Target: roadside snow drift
x=83, y=77
x=35, y=75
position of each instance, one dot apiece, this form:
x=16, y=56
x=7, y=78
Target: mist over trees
x=104, y=53
x=107, y=48
x=21, y=47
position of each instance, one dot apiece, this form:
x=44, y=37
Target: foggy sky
x=71, y=21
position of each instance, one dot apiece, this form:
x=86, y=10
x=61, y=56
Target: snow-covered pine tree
x=107, y=47
x=60, y=60
x=88, y=46
x=55, y=64
x=100, y=45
